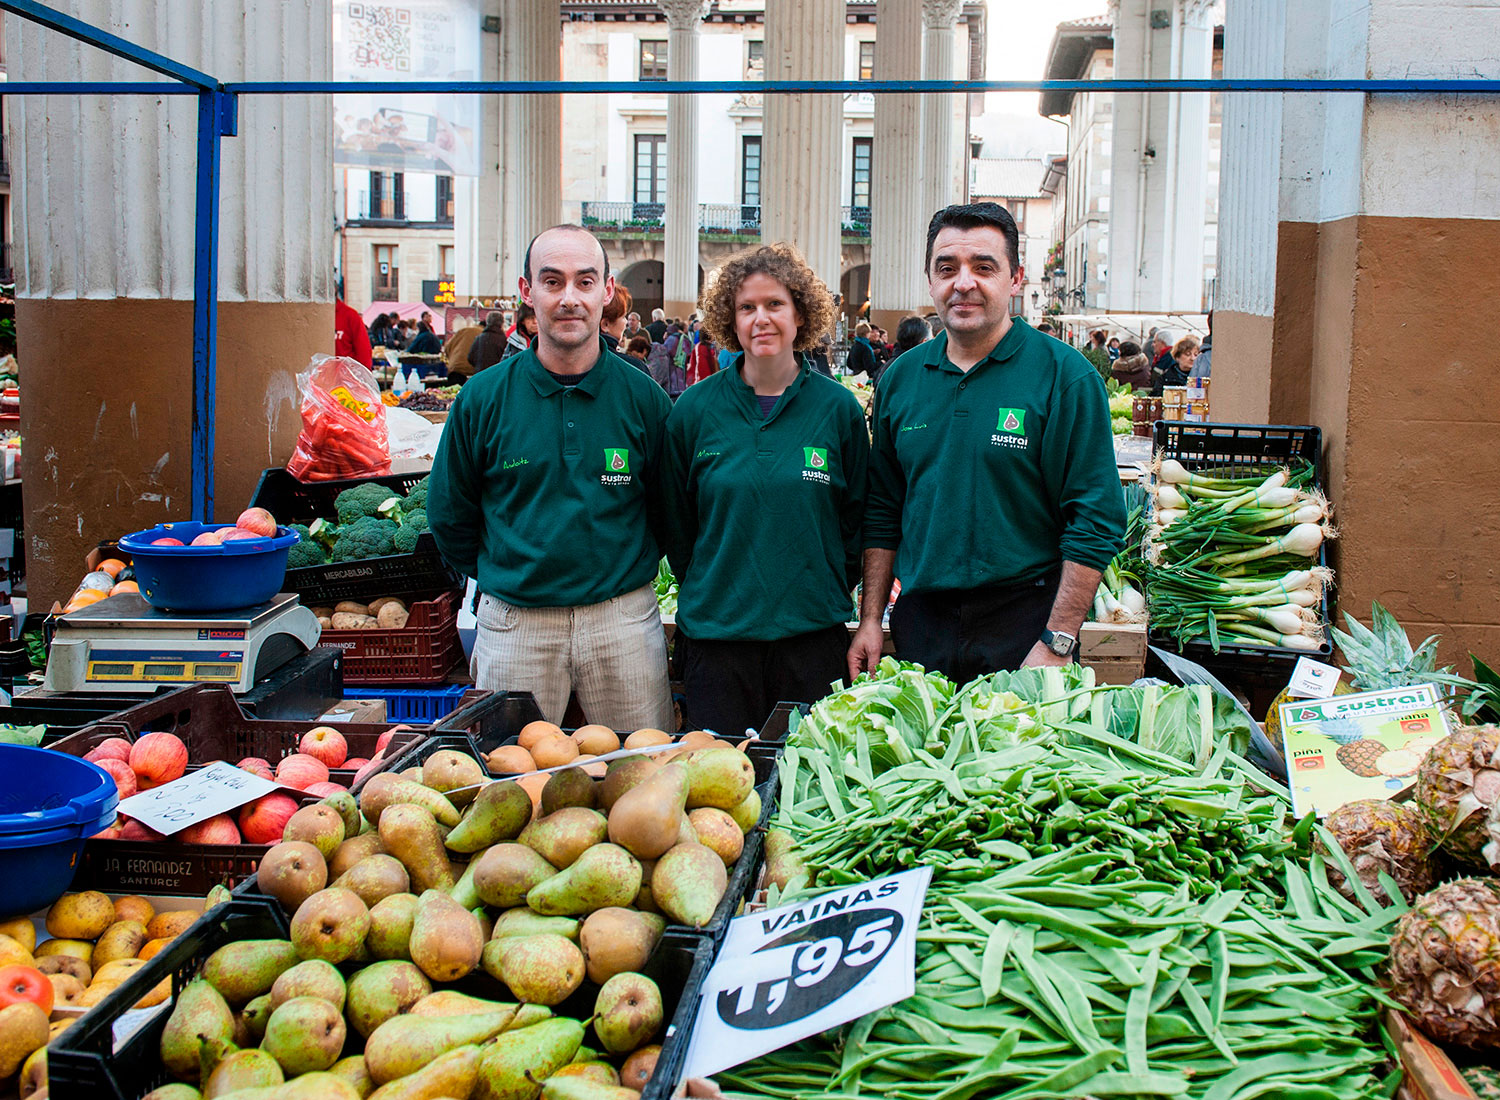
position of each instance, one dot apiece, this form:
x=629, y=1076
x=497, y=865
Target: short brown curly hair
x=783, y=263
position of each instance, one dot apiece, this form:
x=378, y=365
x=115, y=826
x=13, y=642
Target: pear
x=603, y=876
x=313, y=978
x=451, y=1074
x=411, y=834
x=746, y=814
x=542, y=970
x=783, y=863
x=627, y=1012
x=505, y=873
x=446, y=940
x=569, y=787
x=463, y=890
x=330, y=925
x=320, y=825
x=717, y=831
x=352, y=851
x=561, y=837
x=521, y=921
x=688, y=884
x=383, y=789
x=686, y=832
x=200, y=1015
x=721, y=777
x=375, y=877
x=615, y=940
x=242, y=971
x=526, y=1015
x=352, y=1069
x=391, y=919
x=514, y=1062
x=347, y=808
x=382, y=991
x=310, y=1086
x=450, y=1002
x=243, y=1069
x=572, y=1087
x=446, y=770
x=600, y=1073
x=647, y=819
x=304, y=1035
x=174, y=1092
x=499, y=812
x=622, y=776
x=403, y=1045
x=640, y=1067
x=23, y=1032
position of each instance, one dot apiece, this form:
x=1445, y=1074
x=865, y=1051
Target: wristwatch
x=1059, y=642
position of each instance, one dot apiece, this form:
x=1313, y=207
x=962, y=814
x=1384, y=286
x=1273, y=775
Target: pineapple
x=1445, y=963
x=1359, y=757
x=1458, y=782
x=1380, y=836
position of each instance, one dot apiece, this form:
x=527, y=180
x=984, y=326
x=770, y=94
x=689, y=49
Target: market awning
x=405, y=311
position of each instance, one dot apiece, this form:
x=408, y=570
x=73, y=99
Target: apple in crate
x=131, y=829
x=323, y=790
x=355, y=762
x=111, y=748
x=325, y=743
x=219, y=829
x=258, y=521
x=124, y=778
x=158, y=758
x=262, y=821
x=301, y=771
x=256, y=766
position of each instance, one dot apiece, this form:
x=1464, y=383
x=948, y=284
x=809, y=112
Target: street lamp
x=1059, y=281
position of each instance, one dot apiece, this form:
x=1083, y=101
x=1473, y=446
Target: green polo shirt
x=997, y=474
x=539, y=490
x=763, y=513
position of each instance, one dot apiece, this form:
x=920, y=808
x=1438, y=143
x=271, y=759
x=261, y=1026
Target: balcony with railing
x=382, y=207
x=715, y=220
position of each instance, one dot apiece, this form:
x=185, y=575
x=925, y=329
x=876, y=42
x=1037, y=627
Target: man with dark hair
x=539, y=492
x=993, y=489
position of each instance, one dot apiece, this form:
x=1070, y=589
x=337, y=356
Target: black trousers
x=969, y=632
x=733, y=686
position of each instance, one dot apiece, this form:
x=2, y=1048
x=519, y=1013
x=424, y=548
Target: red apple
x=111, y=833
x=323, y=790
x=385, y=739
x=355, y=762
x=111, y=748
x=325, y=743
x=239, y=533
x=301, y=771
x=219, y=829
x=134, y=830
x=209, y=538
x=124, y=778
x=166, y=542
x=158, y=758
x=369, y=769
x=256, y=766
x=262, y=821
x=257, y=521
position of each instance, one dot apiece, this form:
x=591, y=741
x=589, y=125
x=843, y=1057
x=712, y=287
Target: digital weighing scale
x=123, y=644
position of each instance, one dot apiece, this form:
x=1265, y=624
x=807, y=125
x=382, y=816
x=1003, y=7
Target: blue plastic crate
x=423, y=705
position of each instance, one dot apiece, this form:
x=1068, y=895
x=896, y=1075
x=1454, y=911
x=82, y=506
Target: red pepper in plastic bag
x=343, y=423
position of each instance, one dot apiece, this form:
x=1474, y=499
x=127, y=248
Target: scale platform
x=123, y=644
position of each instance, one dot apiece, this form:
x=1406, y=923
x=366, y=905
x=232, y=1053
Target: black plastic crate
x=84, y=1063
x=291, y=501
x=493, y=720
x=781, y=721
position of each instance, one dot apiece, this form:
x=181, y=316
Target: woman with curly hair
x=764, y=491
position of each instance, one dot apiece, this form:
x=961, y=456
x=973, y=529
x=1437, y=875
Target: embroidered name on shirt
x=913, y=427
x=512, y=463
x=709, y=454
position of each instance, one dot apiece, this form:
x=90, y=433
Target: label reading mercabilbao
x=1367, y=745
x=784, y=974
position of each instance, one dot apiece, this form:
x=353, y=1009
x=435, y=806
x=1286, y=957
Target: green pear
x=688, y=884
x=446, y=939
x=647, y=820
x=404, y=1044
x=212, y=1051
x=244, y=1069
x=526, y=1015
x=569, y=787
x=243, y=971
x=721, y=777
x=499, y=812
x=561, y=837
x=464, y=891
x=348, y=809
x=572, y=1087
x=514, y=1063
x=172, y=1092
x=627, y=1013
x=622, y=776
x=521, y=921
x=411, y=834
x=446, y=771
x=305, y=1035
x=320, y=825
x=615, y=940
x=352, y=1069
x=600, y=1073
x=310, y=1086
x=383, y=789
x=448, y=1075
x=375, y=877
x=450, y=1002
x=313, y=978
x=199, y=1015
x=217, y=895
x=255, y=1014
x=384, y=990
x=505, y=873
x=540, y=970
x=605, y=875
x=784, y=864
x=391, y=919
x=746, y=813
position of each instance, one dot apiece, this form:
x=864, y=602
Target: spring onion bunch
x=1121, y=597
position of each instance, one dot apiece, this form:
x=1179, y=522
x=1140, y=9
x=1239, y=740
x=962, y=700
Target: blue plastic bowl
x=50, y=803
x=241, y=573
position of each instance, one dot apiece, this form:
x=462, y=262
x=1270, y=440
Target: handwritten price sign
x=213, y=789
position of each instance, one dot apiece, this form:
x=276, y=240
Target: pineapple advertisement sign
x=1367, y=745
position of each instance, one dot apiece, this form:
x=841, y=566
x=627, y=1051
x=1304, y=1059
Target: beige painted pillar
x=898, y=216
x=680, y=243
x=531, y=137
x=800, y=185
x=939, y=23
x=104, y=190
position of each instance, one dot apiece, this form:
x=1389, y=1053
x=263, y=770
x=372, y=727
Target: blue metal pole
x=74, y=88
x=216, y=119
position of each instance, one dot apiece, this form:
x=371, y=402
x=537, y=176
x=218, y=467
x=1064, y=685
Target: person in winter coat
x=524, y=332
x=456, y=351
x=349, y=336
x=705, y=359
x=1132, y=368
x=861, y=353
x=425, y=342
x=488, y=347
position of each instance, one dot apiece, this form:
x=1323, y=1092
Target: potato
x=352, y=608
x=376, y=605
x=348, y=620
x=392, y=616
x=323, y=612
x=325, y=621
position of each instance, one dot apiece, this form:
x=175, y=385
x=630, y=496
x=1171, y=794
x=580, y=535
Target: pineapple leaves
x=1381, y=656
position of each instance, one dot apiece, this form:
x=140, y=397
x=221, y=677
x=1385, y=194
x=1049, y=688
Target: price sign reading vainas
x=788, y=973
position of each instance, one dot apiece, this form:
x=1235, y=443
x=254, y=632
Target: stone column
x=801, y=181
x=531, y=137
x=477, y=200
x=680, y=246
x=104, y=189
x=939, y=20
x=898, y=216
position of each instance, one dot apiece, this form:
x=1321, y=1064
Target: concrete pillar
x=104, y=190
x=939, y=22
x=477, y=201
x=531, y=134
x=800, y=186
x=898, y=216
x=680, y=243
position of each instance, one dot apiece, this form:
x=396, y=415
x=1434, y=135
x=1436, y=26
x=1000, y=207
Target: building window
x=859, y=192
x=653, y=59
x=398, y=197
x=750, y=178
x=755, y=59
x=651, y=168
x=377, y=196
x=444, y=207
x=445, y=261
x=387, y=273
x=867, y=61
x=1018, y=211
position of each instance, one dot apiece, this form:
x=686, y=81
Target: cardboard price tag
x=213, y=789
x=1312, y=680
x=787, y=973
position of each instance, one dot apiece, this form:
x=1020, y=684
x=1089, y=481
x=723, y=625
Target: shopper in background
x=488, y=347
x=1132, y=369
x=1184, y=352
x=1113, y=347
x=539, y=491
x=820, y=355
x=456, y=351
x=1046, y=328
x=525, y=331
x=763, y=493
x=1202, y=366
x=638, y=349
x=909, y=333
x=380, y=331
x=401, y=334
x=993, y=489
x=632, y=325
x=425, y=342
x=349, y=336
x=861, y=354
x=657, y=329
x=705, y=358
x=1096, y=353
x=1160, y=350
x=612, y=323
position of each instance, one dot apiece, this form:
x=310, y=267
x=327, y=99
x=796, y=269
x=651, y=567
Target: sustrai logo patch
x=1010, y=431
x=616, y=467
x=815, y=459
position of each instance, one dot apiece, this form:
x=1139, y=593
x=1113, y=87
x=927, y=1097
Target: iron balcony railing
x=713, y=217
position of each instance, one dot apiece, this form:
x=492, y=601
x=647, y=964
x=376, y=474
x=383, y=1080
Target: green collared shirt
x=764, y=512
x=995, y=475
x=540, y=491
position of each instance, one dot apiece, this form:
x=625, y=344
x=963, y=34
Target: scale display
x=183, y=667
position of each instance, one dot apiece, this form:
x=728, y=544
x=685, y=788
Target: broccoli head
x=361, y=501
x=302, y=530
x=406, y=539
x=322, y=532
x=416, y=519
x=390, y=508
x=305, y=554
x=366, y=537
x=417, y=498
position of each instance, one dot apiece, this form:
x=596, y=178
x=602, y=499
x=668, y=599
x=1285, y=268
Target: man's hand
x=1041, y=657
x=865, y=648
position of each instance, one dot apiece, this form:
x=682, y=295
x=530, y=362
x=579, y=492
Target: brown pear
x=352, y=851
x=560, y=838
x=504, y=873
x=569, y=787
x=410, y=833
x=321, y=825
x=291, y=872
x=647, y=820
x=446, y=940
x=716, y=830
x=622, y=776
x=375, y=878
x=615, y=940
x=448, y=770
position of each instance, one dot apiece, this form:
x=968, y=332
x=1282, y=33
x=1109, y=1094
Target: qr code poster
x=379, y=38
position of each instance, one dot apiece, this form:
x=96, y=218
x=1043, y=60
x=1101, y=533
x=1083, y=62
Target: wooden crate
x=1428, y=1072
x=1115, y=651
